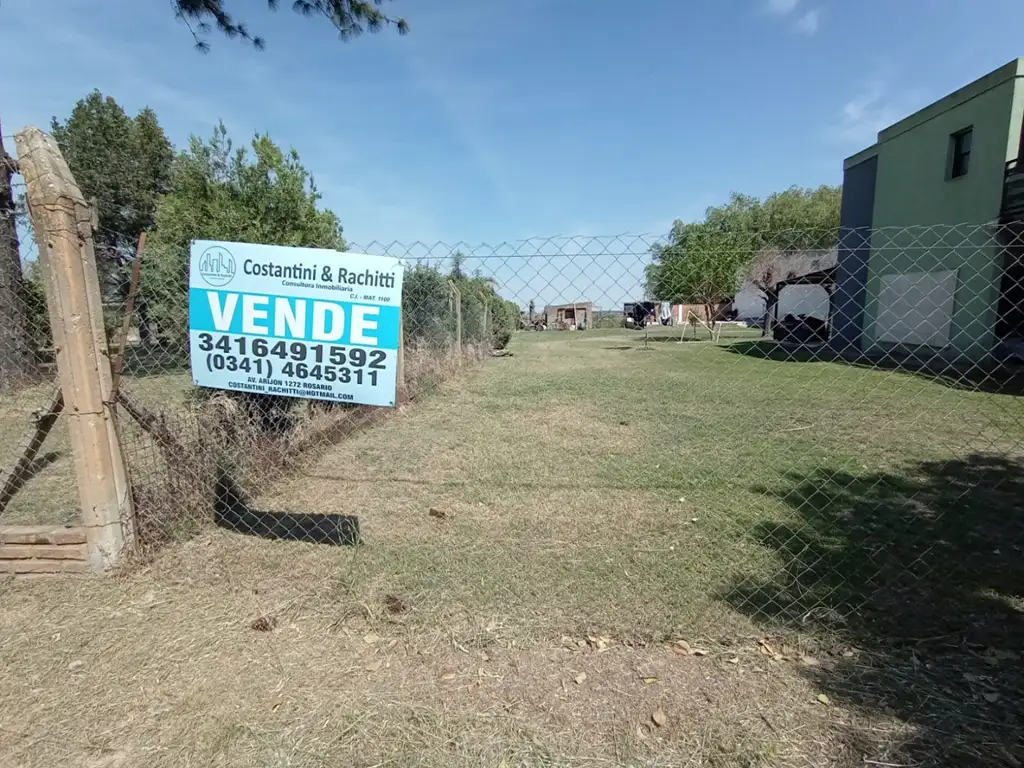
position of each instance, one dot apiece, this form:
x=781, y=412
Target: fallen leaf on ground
x=991, y=698
x=580, y=678
x=263, y=623
x=734, y=660
x=651, y=680
x=810, y=661
x=766, y=648
x=658, y=718
x=682, y=648
x=440, y=514
x=371, y=639
x=373, y=666
x=824, y=699
x=448, y=677
x=395, y=604
x=74, y=666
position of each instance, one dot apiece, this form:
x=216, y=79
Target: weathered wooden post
x=63, y=228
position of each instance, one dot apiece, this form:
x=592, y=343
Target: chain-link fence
x=38, y=484
x=804, y=452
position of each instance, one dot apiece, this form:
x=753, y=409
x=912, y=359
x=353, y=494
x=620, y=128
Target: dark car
x=801, y=329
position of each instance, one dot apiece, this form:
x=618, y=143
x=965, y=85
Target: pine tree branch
x=350, y=17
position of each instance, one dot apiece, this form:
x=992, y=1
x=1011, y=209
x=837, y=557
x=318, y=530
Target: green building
x=929, y=260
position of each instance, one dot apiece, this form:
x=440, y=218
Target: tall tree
x=350, y=17
x=751, y=235
x=700, y=265
x=16, y=357
x=124, y=165
x=121, y=162
x=217, y=192
x=458, y=259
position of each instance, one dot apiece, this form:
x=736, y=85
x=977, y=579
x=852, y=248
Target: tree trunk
x=771, y=301
x=771, y=304
x=16, y=359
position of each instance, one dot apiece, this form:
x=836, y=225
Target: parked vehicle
x=801, y=329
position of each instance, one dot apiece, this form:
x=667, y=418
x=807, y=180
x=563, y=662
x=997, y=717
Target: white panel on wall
x=796, y=300
x=916, y=308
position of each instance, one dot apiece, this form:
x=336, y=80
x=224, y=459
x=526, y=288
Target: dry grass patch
x=205, y=670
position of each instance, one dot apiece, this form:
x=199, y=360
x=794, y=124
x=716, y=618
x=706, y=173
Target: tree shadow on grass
x=963, y=375
x=233, y=511
x=923, y=573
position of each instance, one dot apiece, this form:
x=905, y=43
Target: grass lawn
x=844, y=543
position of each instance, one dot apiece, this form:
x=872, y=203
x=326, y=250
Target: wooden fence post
x=63, y=228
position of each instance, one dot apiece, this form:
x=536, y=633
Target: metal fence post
x=63, y=227
x=458, y=315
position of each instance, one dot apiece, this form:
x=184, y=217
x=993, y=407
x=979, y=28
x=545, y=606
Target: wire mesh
x=616, y=441
x=38, y=483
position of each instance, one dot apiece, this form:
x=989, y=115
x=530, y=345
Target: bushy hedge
x=429, y=307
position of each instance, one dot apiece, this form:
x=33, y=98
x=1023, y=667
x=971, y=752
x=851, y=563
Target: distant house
x=804, y=280
x=682, y=313
x=569, y=316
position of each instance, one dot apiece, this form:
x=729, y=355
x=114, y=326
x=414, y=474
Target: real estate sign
x=295, y=322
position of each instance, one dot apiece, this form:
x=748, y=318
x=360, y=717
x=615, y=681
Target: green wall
x=924, y=221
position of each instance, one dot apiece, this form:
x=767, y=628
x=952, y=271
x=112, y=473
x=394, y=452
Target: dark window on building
x=961, y=159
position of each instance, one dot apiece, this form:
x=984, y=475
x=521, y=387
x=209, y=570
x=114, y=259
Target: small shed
x=569, y=316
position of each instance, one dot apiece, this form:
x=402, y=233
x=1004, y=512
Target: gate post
x=63, y=228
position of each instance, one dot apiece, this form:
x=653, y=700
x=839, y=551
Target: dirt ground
x=189, y=663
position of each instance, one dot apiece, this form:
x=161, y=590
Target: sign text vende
x=290, y=317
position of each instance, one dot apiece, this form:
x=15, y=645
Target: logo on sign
x=217, y=266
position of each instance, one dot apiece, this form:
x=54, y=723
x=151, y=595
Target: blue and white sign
x=295, y=322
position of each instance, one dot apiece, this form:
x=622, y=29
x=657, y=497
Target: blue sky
x=493, y=122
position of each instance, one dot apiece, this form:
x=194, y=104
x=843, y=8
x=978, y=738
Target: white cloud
x=782, y=7
x=863, y=116
x=808, y=22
